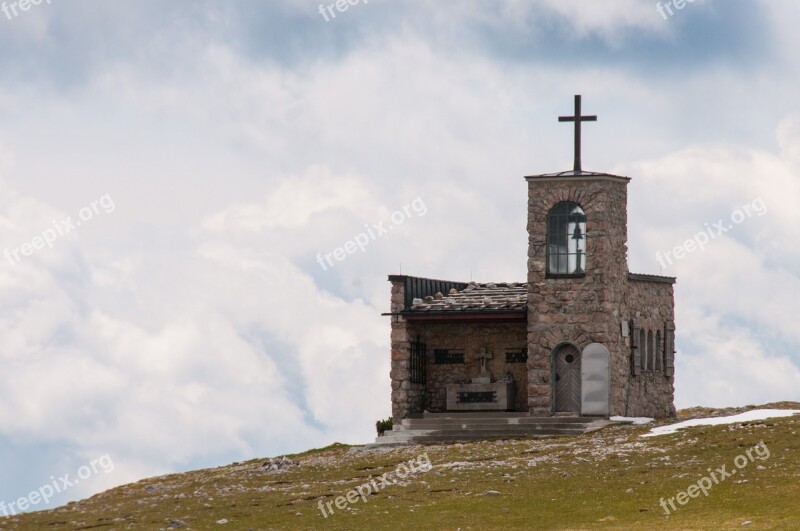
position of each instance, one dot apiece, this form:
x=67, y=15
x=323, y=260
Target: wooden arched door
x=567, y=379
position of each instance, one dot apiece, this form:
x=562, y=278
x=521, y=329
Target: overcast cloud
x=192, y=326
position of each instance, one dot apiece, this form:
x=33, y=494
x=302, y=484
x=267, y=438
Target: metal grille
x=417, y=362
x=517, y=356
x=443, y=356
x=477, y=397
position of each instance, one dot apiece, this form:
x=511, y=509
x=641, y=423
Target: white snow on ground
x=638, y=421
x=748, y=416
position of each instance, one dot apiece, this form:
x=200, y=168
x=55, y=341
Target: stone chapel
x=582, y=336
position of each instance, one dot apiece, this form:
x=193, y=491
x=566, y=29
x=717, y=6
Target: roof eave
x=465, y=315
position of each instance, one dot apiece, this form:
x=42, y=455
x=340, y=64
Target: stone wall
x=578, y=310
x=407, y=397
x=650, y=306
x=593, y=308
x=470, y=338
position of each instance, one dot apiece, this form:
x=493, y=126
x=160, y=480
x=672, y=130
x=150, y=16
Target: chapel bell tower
x=577, y=273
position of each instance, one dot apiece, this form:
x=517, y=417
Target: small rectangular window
x=517, y=356
x=444, y=356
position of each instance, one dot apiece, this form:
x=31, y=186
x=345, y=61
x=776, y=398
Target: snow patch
x=748, y=416
x=638, y=421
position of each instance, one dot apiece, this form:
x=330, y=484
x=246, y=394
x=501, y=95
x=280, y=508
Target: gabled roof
x=484, y=298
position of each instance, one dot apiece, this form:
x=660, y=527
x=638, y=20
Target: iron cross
x=577, y=118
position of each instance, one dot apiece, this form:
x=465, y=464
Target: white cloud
x=608, y=18
x=727, y=366
x=738, y=293
x=193, y=325
x=295, y=201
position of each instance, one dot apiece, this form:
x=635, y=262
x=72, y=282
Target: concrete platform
x=456, y=426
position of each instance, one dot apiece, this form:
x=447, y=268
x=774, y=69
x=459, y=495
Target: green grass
x=611, y=479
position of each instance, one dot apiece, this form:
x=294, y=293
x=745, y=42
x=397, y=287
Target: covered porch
x=458, y=347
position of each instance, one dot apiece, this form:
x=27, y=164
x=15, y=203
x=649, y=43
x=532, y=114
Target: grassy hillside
x=611, y=479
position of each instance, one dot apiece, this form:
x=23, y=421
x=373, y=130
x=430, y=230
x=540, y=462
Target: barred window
x=566, y=240
x=517, y=356
x=417, y=362
x=444, y=356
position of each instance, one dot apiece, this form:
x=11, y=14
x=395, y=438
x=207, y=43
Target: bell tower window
x=566, y=240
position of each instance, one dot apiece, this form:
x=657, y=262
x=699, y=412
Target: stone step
x=494, y=429
x=483, y=427
x=498, y=421
x=412, y=432
x=456, y=436
x=504, y=415
x=487, y=414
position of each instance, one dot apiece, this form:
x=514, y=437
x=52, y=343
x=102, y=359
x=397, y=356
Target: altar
x=496, y=396
x=482, y=394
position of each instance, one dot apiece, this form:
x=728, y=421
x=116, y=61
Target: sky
x=172, y=175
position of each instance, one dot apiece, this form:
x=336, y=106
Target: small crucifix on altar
x=485, y=376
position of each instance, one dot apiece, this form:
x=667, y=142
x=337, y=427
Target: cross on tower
x=577, y=118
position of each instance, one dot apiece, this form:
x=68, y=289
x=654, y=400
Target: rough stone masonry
x=579, y=302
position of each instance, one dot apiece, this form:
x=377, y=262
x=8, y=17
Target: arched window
x=566, y=240
x=659, y=352
x=643, y=348
x=651, y=358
